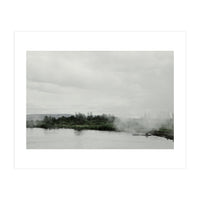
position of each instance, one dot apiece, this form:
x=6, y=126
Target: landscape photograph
x=100, y=100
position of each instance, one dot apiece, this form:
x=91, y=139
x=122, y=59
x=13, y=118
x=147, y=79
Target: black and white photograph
x=100, y=100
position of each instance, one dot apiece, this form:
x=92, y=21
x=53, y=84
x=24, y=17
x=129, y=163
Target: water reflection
x=78, y=132
x=38, y=138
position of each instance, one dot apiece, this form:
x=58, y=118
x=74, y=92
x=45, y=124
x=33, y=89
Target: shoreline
x=167, y=134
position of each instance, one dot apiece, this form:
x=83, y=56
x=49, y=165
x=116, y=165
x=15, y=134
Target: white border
x=68, y=41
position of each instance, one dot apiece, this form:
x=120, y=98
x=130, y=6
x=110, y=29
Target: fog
x=143, y=125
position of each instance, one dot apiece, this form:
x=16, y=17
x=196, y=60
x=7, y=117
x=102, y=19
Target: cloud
x=121, y=83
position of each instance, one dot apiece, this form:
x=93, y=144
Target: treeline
x=162, y=132
x=105, y=123
x=77, y=121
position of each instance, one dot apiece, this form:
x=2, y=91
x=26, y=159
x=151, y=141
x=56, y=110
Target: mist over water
x=127, y=86
x=142, y=125
x=130, y=133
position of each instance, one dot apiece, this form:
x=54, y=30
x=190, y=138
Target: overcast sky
x=123, y=83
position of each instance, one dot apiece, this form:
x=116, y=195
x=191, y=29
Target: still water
x=38, y=138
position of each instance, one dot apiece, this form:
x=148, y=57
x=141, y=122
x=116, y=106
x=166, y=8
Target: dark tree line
x=78, y=121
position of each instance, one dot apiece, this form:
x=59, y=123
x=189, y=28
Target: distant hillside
x=35, y=117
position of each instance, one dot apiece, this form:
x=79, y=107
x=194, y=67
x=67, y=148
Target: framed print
x=100, y=100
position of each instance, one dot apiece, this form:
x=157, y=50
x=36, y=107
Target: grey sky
x=123, y=83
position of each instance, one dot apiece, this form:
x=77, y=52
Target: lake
x=38, y=138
